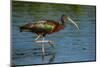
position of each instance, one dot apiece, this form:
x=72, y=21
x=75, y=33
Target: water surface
x=71, y=45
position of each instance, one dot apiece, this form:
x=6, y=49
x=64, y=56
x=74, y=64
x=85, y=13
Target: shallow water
x=70, y=44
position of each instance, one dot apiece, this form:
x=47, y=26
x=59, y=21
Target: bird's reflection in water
x=51, y=57
x=36, y=55
x=48, y=57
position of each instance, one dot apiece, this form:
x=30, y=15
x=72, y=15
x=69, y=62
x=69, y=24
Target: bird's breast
x=58, y=28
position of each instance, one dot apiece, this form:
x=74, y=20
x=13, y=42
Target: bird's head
x=65, y=18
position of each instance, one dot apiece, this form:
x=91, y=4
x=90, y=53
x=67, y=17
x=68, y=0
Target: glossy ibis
x=44, y=27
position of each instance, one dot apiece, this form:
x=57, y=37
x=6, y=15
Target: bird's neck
x=63, y=22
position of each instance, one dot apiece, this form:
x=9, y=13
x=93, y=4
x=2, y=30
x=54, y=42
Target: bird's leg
x=38, y=37
x=43, y=49
x=51, y=43
x=44, y=41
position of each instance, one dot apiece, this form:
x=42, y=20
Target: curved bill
x=73, y=22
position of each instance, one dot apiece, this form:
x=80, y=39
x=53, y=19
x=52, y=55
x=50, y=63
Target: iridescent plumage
x=44, y=27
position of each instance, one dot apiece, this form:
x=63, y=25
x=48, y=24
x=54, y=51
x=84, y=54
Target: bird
x=45, y=27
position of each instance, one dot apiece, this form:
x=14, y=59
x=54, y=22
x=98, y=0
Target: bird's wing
x=44, y=26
